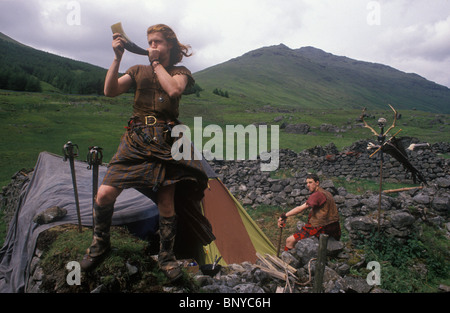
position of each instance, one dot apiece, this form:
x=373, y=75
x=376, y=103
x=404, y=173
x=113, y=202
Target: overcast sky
x=410, y=35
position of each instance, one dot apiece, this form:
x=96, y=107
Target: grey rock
x=421, y=198
x=334, y=247
x=50, y=215
x=361, y=223
x=217, y=289
x=357, y=284
x=248, y=288
x=306, y=249
x=443, y=182
x=301, y=128
x=402, y=220
x=441, y=204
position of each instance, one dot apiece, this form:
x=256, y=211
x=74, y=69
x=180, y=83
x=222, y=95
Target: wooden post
x=320, y=264
x=402, y=189
x=380, y=191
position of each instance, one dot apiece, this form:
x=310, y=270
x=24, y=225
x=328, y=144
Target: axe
x=129, y=45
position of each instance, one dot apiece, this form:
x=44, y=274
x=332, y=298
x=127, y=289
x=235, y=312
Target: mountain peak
x=279, y=49
x=311, y=77
x=311, y=50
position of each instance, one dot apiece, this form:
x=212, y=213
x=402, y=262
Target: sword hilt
x=94, y=156
x=68, y=150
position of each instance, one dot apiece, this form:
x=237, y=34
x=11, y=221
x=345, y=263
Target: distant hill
x=24, y=68
x=311, y=78
x=275, y=75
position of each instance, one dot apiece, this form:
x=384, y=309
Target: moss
x=63, y=244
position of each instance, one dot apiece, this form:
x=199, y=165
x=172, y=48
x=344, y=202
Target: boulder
x=357, y=284
x=248, y=288
x=301, y=128
x=441, y=204
x=361, y=223
x=402, y=220
x=50, y=215
x=306, y=249
x=334, y=247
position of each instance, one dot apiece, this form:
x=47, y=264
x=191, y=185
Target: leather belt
x=150, y=120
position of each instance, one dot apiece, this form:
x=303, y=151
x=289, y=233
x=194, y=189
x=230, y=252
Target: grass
x=63, y=244
x=402, y=264
x=36, y=122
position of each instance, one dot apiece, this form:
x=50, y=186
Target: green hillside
x=276, y=75
x=311, y=78
x=315, y=88
x=23, y=68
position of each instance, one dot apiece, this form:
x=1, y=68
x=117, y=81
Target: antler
x=393, y=123
x=367, y=125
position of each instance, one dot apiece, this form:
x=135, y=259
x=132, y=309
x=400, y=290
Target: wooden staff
x=402, y=189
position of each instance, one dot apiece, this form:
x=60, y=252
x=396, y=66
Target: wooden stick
x=274, y=273
x=402, y=189
x=265, y=262
x=320, y=265
x=283, y=265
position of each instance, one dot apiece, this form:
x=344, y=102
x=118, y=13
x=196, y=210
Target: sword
x=94, y=159
x=68, y=151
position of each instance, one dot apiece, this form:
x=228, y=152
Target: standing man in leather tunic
x=143, y=160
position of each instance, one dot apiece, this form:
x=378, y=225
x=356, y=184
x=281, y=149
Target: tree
x=33, y=84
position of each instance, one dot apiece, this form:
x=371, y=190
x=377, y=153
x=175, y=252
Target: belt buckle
x=147, y=120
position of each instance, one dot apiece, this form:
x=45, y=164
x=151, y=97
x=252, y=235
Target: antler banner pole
x=381, y=138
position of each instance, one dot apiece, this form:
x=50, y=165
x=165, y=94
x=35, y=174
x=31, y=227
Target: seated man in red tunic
x=323, y=217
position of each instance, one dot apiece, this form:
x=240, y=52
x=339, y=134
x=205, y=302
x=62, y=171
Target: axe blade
x=129, y=45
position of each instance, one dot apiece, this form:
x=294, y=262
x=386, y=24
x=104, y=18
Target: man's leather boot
x=101, y=244
x=166, y=257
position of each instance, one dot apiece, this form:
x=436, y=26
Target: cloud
x=409, y=35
